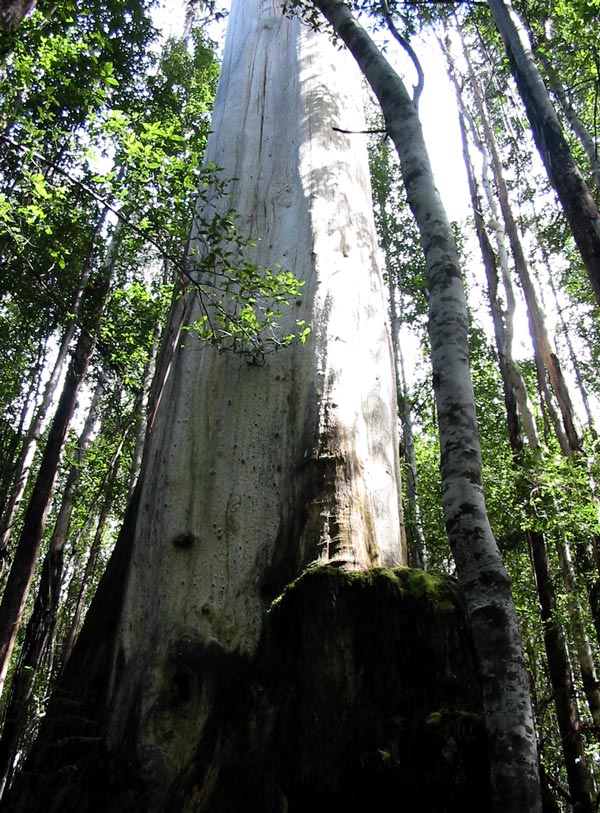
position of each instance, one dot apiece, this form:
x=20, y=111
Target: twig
x=382, y=131
x=418, y=88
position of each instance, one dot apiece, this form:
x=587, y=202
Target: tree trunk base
x=362, y=690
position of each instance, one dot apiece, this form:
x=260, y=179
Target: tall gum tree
x=479, y=566
x=255, y=471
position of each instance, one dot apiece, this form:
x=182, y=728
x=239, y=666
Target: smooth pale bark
x=503, y=319
x=491, y=273
x=578, y=204
x=479, y=565
x=254, y=472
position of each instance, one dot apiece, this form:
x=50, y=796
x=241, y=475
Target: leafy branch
x=241, y=303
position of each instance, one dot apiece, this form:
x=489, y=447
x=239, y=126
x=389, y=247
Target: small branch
x=381, y=131
x=418, y=88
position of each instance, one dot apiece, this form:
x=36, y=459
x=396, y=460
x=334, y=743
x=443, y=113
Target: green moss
x=376, y=689
x=453, y=716
x=407, y=582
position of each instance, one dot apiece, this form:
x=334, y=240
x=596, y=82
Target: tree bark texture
x=578, y=203
x=363, y=689
x=479, y=566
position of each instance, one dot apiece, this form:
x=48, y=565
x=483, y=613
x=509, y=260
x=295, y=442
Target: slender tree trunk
x=415, y=538
x=538, y=331
x=584, y=136
x=518, y=404
x=28, y=449
x=10, y=450
x=33, y=433
x=491, y=272
x=578, y=204
x=579, y=778
x=580, y=783
x=41, y=624
x=479, y=566
x=567, y=337
x=21, y=573
x=411, y=519
x=34, y=521
x=583, y=647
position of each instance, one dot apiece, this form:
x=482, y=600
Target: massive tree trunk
x=255, y=471
x=577, y=201
x=479, y=565
x=252, y=471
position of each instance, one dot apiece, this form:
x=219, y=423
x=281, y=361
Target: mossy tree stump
x=362, y=695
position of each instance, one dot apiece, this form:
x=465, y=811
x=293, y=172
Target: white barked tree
x=256, y=471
